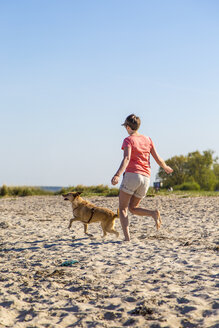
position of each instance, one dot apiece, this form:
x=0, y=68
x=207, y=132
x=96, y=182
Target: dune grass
x=22, y=191
x=99, y=190
x=188, y=193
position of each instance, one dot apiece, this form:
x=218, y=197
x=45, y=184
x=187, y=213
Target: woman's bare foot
x=157, y=219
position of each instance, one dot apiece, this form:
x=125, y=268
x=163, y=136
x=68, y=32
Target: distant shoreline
x=51, y=188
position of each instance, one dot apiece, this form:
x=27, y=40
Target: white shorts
x=135, y=184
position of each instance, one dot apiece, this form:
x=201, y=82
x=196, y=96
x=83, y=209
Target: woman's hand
x=115, y=180
x=168, y=169
x=160, y=161
x=123, y=165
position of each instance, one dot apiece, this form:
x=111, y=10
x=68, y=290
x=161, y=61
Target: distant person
x=136, y=179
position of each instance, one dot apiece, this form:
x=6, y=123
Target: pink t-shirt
x=140, y=155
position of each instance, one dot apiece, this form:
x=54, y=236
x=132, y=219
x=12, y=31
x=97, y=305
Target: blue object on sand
x=69, y=263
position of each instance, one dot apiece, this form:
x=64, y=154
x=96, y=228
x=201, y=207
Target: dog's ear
x=78, y=193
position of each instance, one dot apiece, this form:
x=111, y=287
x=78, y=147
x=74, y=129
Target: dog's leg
x=104, y=233
x=110, y=228
x=114, y=231
x=72, y=220
x=104, y=229
x=85, y=228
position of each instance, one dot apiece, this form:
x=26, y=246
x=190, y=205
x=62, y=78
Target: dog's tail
x=117, y=214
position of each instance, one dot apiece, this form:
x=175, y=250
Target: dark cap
x=133, y=121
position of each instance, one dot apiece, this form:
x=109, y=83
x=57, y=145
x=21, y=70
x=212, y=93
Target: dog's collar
x=92, y=213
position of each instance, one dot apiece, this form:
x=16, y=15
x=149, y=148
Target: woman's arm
x=123, y=165
x=160, y=161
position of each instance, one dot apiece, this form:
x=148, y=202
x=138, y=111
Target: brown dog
x=87, y=213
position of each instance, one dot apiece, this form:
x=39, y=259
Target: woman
x=136, y=164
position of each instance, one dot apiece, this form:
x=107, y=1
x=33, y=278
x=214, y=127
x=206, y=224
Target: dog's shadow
x=75, y=242
x=36, y=245
x=79, y=241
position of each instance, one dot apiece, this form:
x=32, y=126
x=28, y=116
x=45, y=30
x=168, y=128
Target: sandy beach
x=168, y=278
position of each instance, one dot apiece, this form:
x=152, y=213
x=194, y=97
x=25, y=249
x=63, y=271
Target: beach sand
x=168, y=278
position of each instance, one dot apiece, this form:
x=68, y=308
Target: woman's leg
x=134, y=209
x=124, y=200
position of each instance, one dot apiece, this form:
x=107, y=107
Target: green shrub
x=113, y=192
x=22, y=191
x=25, y=191
x=99, y=190
x=151, y=192
x=3, y=190
x=188, y=186
x=217, y=186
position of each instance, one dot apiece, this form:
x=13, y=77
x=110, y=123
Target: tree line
x=195, y=171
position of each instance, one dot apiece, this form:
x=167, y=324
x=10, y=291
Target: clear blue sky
x=71, y=71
